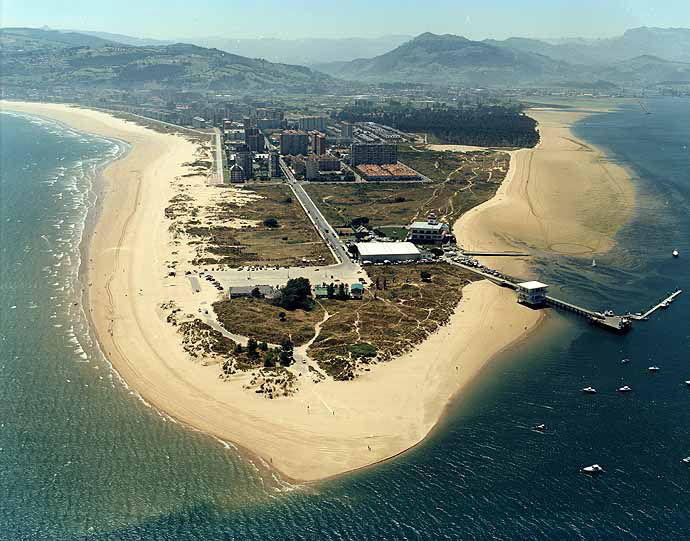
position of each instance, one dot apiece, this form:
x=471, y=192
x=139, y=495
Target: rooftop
x=427, y=225
x=386, y=248
x=532, y=285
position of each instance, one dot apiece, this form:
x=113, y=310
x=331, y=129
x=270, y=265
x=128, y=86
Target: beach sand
x=562, y=197
x=330, y=427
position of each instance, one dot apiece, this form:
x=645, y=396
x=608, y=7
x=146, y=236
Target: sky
x=174, y=19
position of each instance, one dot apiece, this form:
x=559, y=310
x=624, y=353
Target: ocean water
x=81, y=457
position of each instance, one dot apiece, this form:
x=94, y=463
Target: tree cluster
x=483, y=125
x=295, y=294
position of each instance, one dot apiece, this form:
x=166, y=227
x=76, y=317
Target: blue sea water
x=81, y=457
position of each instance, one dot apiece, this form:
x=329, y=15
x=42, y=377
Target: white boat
x=589, y=390
x=594, y=262
x=593, y=469
x=624, y=389
x=653, y=368
x=540, y=427
x=675, y=253
x=687, y=383
x=625, y=361
x=665, y=304
x=686, y=460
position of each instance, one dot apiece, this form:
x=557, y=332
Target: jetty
x=534, y=294
x=664, y=303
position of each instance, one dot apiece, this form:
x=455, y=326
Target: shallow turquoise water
x=83, y=457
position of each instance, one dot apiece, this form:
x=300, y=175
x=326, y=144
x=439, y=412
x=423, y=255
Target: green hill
x=33, y=58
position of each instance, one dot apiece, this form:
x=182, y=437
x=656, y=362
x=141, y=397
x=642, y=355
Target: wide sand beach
x=330, y=427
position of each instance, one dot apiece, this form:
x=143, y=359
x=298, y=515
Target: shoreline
x=412, y=393
x=564, y=196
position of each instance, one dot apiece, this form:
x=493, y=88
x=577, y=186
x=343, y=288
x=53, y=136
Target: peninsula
x=157, y=237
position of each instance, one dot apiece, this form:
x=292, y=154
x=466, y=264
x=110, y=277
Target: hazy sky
x=167, y=19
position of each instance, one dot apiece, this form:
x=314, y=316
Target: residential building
x=318, y=143
x=394, y=171
x=244, y=160
x=429, y=232
x=387, y=252
x=236, y=174
x=347, y=130
x=274, y=165
x=308, y=123
x=329, y=163
x=311, y=169
x=294, y=142
x=198, y=122
x=262, y=291
x=373, y=154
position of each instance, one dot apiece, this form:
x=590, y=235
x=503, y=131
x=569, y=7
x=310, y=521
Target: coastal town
x=281, y=261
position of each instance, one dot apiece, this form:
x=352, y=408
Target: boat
x=589, y=390
x=594, y=469
x=675, y=253
x=540, y=427
x=665, y=304
x=687, y=383
x=624, y=389
x=653, y=368
x=625, y=361
x=686, y=460
x=594, y=262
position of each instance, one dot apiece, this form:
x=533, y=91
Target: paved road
x=322, y=226
x=219, y=157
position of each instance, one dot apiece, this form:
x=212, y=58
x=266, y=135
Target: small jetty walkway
x=665, y=303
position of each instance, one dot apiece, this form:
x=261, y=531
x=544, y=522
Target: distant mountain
x=37, y=38
x=128, y=40
x=45, y=59
x=671, y=44
x=646, y=70
x=599, y=64
x=432, y=58
x=306, y=52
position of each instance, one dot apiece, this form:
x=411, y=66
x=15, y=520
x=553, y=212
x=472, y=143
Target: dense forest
x=495, y=125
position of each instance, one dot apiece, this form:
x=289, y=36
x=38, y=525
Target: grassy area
x=260, y=319
x=389, y=320
x=292, y=242
x=473, y=166
x=464, y=180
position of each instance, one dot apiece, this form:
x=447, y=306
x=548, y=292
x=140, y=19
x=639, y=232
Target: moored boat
x=624, y=389
x=594, y=469
x=589, y=390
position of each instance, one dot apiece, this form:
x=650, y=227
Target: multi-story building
x=308, y=123
x=373, y=154
x=318, y=143
x=312, y=169
x=244, y=160
x=329, y=163
x=274, y=165
x=294, y=142
x=236, y=174
x=347, y=130
x=429, y=232
x=254, y=139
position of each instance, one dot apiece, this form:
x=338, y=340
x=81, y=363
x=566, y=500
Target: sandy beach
x=330, y=427
x=563, y=196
